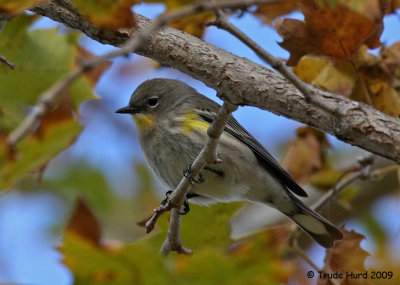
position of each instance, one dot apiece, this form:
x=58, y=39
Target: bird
x=172, y=120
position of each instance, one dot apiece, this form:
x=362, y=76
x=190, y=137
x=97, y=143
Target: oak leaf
x=306, y=154
x=347, y=256
x=337, y=33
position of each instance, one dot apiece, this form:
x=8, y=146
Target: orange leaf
x=62, y=112
x=346, y=257
x=337, y=32
x=306, y=154
x=84, y=223
x=269, y=12
x=93, y=74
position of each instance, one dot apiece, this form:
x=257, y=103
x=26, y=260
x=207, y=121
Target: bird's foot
x=187, y=172
x=186, y=208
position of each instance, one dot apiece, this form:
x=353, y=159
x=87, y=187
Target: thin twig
x=307, y=90
x=364, y=172
x=46, y=102
x=6, y=62
x=206, y=156
x=365, y=89
x=173, y=241
x=378, y=174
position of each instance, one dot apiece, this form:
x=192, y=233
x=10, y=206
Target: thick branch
x=243, y=82
x=67, y=8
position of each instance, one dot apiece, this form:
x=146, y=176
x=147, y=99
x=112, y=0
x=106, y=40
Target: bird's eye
x=152, y=102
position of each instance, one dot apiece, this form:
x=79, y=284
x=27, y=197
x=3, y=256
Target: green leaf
x=206, y=230
x=42, y=57
x=34, y=153
x=82, y=180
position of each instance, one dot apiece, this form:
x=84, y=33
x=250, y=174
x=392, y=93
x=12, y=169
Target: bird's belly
x=219, y=190
x=237, y=178
x=168, y=159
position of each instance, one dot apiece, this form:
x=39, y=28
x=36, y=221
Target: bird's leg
x=187, y=172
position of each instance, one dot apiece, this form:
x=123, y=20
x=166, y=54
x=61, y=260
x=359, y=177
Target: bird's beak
x=128, y=110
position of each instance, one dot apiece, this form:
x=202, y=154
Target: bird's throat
x=143, y=121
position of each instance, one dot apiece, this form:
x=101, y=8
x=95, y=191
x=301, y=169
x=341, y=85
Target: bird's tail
x=316, y=226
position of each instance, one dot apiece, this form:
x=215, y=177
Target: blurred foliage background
x=73, y=192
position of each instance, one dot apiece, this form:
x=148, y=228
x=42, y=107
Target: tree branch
x=47, y=99
x=307, y=90
x=243, y=82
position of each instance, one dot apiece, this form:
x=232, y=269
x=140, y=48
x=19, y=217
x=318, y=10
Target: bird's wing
x=264, y=157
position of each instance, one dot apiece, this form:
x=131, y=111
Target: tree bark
x=243, y=82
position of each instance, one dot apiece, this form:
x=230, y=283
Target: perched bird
x=172, y=121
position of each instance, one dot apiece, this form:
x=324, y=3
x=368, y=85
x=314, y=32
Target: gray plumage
x=248, y=172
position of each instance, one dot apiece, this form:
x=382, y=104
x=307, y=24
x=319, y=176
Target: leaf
x=268, y=12
x=107, y=13
x=324, y=74
x=17, y=6
x=33, y=153
x=84, y=223
x=337, y=32
x=384, y=98
x=42, y=57
x=306, y=154
x=193, y=24
x=251, y=261
x=80, y=179
x=94, y=74
x=338, y=259
x=325, y=178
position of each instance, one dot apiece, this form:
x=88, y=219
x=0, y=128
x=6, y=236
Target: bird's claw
x=187, y=172
x=186, y=208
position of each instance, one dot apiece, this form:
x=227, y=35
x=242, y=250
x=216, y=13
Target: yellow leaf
x=113, y=14
x=324, y=74
x=17, y=6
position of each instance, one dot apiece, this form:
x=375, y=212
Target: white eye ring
x=153, y=102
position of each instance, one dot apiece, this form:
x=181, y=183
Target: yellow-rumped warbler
x=172, y=121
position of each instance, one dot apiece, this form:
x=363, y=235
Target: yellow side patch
x=191, y=122
x=143, y=121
